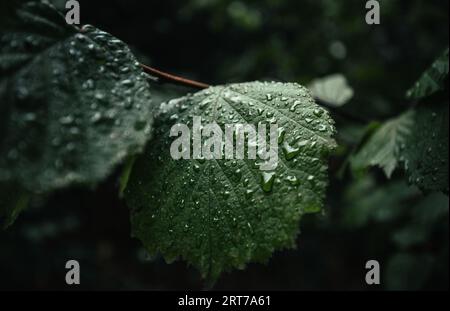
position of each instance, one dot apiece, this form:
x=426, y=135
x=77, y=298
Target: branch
x=173, y=79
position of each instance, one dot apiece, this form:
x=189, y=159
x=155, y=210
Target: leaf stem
x=170, y=78
x=173, y=79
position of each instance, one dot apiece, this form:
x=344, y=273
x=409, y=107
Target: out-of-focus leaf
x=432, y=80
x=425, y=218
x=333, y=90
x=384, y=146
x=418, y=139
x=73, y=103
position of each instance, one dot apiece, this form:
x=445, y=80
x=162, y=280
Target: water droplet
x=196, y=167
x=127, y=83
x=322, y=128
x=293, y=180
x=74, y=130
x=267, y=179
x=22, y=92
x=87, y=28
x=318, y=112
x=281, y=134
x=70, y=147
x=249, y=193
x=289, y=151
x=294, y=106
x=99, y=96
x=66, y=120
x=88, y=84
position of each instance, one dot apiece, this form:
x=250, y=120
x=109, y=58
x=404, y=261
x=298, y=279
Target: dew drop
x=289, y=151
x=127, y=83
x=267, y=179
x=318, y=112
x=281, y=134
x=294, y=106
x=293, y=180
x=249, y=193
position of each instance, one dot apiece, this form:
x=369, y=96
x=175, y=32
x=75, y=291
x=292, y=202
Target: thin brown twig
x=170, y=78
x=174, y=79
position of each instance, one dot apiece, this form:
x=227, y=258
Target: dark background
x=366, y=217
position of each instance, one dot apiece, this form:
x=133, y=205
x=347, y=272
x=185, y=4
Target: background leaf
x=425, y=152
x=222, y=214
x=383, y=147
x=332, y=89
x=418, y=139
x=432, y=80
x=73, y=103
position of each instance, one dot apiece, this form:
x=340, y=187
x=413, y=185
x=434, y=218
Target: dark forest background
x=366, y=217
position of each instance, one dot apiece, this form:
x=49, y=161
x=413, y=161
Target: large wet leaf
x=435, y=78
x=417, y=140
x=222, y=214
x=73, y=103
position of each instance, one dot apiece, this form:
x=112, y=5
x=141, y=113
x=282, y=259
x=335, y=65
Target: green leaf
x=418, y=140
x=432, y=80
x=222, y=214
x=332, y=89
x=426, y=150
x=73, y=103
x=383, y=147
